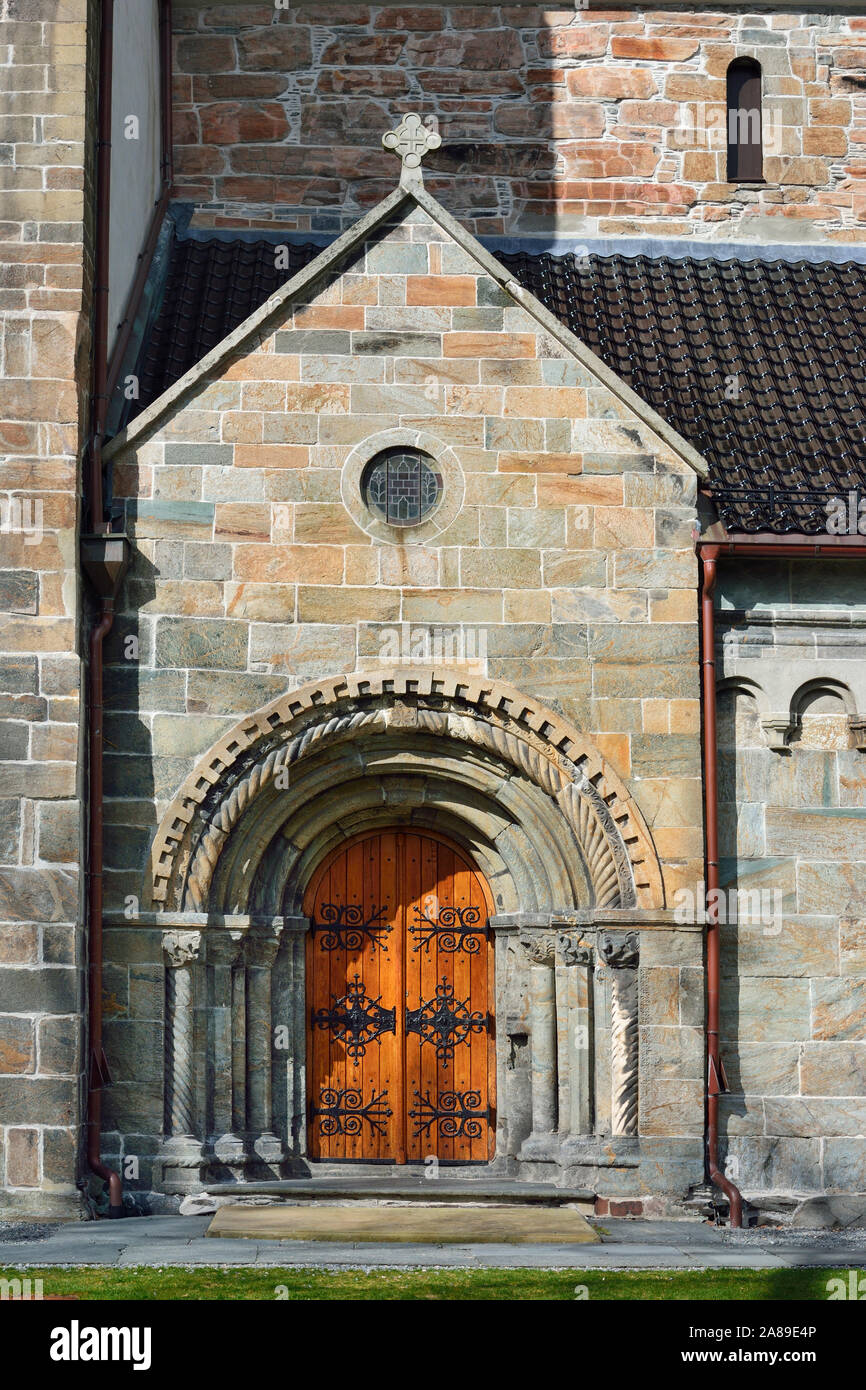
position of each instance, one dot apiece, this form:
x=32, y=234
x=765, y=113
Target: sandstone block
x=59, y=1046
x=287, y=564
x=203, y=643
x=493, y=568
x=17, y=1045
x=22, y=1157
x=839, y=1009
x=323, y=605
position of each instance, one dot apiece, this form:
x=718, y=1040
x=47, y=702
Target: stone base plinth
x=180, y=1165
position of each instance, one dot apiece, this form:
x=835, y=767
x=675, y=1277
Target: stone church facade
x=514, y=671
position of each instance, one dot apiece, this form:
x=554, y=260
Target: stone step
x=422, y=1223
x=414, y=1188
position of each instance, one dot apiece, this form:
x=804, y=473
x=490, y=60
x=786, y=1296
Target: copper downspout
x=715, y=1072
x=98, y=1071
x=98, y=1068
x=105, y=561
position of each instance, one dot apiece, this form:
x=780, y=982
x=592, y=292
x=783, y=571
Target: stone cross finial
x=411, y=141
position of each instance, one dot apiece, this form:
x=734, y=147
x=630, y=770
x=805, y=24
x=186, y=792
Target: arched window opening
x=745, y=122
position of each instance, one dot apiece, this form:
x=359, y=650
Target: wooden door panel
x=449, y=1037
x=354, y=1050
x=400, y=995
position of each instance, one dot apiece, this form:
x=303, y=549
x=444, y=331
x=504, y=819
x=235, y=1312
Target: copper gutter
x=765, y=544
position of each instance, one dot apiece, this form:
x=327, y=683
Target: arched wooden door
x=400, y=1022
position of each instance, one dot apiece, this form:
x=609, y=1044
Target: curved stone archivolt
x=435, y=743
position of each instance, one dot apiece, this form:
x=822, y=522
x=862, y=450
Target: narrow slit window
x=745, y=122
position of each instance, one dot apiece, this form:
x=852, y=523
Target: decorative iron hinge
x=343, y=1112
x=355, y=1020
x=453, y=929
x=445, y=1022
x=458, y=1114
x=344, y=928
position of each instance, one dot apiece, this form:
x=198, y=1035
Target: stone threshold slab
x=409, y=1188
x=502, y=1225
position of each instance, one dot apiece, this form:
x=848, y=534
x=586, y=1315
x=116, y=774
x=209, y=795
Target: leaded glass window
x=402, y=486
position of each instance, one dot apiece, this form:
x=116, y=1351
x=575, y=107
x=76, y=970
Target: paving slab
x=204, y=1252
x=61, y=1252
x=504, y=1225
x=625, y=1244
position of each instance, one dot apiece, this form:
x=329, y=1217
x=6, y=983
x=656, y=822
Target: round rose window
x=402, y=486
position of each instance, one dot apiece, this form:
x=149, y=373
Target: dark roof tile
x=211, y=287
x=760, y=365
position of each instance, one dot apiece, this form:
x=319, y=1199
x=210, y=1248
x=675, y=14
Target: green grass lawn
x=411, y=1285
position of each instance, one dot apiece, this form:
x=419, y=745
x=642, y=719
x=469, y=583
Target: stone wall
x=793, y=791
x=596, y=123
x=564, y=563
x=44, y=301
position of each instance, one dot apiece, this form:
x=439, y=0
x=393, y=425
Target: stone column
x=181, y=1153
x=223, y=952
x=621, y=952
x=574, y=1008
x=289, y=1014
x=261, y=952
x=543, y=1142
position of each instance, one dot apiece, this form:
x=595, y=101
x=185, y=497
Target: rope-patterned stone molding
x=490, y=715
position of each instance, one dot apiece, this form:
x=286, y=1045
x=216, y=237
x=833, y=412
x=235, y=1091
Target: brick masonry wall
x=587, y=123
x=571, y=559
x=44, y=294
x=792, y=824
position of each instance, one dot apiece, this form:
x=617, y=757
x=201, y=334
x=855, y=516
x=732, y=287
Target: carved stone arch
x=773, y=724
x=744, y=685
x=822, y=685
x=488, y=718
x=503, y=820
x=851, y=736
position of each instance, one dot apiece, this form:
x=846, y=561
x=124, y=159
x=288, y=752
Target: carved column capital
x=857, y=728
x=540, y=948
x=557, y=948
x=573, y=950
x=620, y=950
x=261, y=947
x=181, y=947
x=224, y=947
x=777, y=729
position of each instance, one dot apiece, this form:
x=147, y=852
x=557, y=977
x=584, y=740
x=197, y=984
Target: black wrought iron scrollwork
x=457, y=1114
x=453, y=929
x=445, y=1022
x=343, y=1112
x=343, y=927
x=355, y=1020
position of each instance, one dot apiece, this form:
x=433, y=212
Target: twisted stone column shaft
x=621, y=951
x=261, y=953
x=543, y=1026
x=624, y=1052
x=259, y=1042
x=180, y=1093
